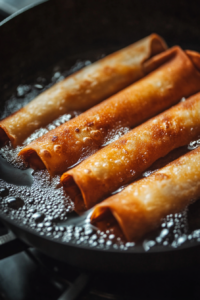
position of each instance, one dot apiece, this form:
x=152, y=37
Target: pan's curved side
x=59, y=28
x=20, y=11
x=92, y=259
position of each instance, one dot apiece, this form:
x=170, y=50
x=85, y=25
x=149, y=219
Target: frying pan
x=38, y=37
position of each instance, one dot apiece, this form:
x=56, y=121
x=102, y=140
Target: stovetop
x=31, y=275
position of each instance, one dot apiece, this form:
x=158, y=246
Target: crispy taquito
x=142, y=205
x=125, y=159
x=82, y=90
x=178, y=76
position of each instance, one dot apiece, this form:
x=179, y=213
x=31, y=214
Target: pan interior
x=44, y=208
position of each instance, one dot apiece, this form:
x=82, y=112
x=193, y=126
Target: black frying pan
x=42, y=35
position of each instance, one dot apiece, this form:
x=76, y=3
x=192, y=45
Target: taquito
x=125, y=159
x=82, y=90
x=142, y=205
x=77, y=139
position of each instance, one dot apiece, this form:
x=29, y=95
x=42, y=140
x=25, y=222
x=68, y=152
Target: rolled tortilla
x=82, y=90
x=142, y=205
x=124, y=160
x=75, y=140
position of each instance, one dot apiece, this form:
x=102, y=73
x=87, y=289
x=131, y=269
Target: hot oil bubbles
x=47, y=210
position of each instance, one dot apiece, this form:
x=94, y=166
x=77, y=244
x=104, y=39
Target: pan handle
x=10, y=245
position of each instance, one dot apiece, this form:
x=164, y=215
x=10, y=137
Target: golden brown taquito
x=83, y=89
x=77, y=139
x=125, y=159
x=142, y=205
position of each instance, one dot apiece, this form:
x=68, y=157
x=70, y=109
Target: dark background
x=80, y=25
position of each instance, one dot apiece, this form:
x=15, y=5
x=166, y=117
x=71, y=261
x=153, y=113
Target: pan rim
x=22, y=10
x=137, y=250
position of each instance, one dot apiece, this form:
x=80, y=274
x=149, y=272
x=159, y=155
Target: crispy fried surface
x=77, y=139
x=140, y=207
x=124, y=160
x=83, y=89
